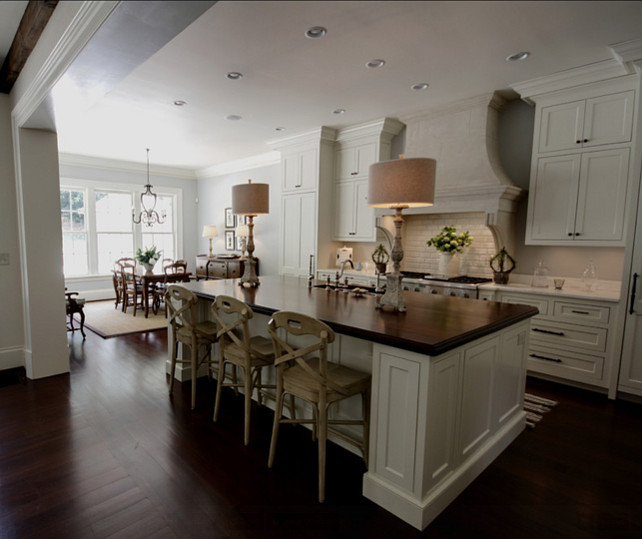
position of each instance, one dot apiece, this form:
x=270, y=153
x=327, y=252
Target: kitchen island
x=447, y=382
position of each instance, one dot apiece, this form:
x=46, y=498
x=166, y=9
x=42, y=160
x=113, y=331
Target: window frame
x=91, y=186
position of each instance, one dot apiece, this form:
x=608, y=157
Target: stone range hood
x=462, y=137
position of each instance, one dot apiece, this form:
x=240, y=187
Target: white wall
x=215, y=194
x=11, y=322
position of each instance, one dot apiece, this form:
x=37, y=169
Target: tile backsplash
x=420, y=257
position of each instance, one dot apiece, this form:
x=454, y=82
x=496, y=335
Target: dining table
x=150, y=279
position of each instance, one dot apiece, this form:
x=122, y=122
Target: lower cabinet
x=570, y=338
x=220, y=268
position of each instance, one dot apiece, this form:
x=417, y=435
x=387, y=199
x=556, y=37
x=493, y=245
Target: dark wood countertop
x=432, y=324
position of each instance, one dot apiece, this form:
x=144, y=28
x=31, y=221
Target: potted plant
x=449, y=243
x=502, y=264
x=148, y=257
x=380, y=257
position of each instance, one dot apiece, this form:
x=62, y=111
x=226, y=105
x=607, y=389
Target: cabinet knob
x=585, y=140
x=353, y=173
x=577, y=233
x=570, y=233
x=578, y=142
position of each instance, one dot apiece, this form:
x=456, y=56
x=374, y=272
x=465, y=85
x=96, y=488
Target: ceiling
x=293, y=82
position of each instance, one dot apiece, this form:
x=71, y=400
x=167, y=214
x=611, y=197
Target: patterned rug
x=103, y=319
x=535, y=407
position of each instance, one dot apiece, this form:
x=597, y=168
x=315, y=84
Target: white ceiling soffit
x=132, y=34
x=290, y=81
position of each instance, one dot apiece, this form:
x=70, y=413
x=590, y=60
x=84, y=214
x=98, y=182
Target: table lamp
x=209, y=231
x=399, y=184
x=250, y=199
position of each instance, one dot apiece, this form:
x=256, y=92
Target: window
x=98, y=228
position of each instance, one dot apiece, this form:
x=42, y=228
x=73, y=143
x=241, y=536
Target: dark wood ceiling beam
x=33, y=22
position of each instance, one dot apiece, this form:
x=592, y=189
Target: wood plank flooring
x=104, y=452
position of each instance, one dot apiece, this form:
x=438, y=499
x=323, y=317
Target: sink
x=348, y=288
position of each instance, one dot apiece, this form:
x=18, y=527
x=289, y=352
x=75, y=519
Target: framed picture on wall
x=241, y=220
x=229, y=218
x=239, y=243
x=230, y=243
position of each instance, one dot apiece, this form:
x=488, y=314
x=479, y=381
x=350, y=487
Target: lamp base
x=249, y=278
x=393, y=296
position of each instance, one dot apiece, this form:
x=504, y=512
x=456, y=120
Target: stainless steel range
x=462, y=286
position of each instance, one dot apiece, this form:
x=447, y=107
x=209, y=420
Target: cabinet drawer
x=234, y=270
x=559, y=334
x=540, y=302
x=580, y=313
x=569, y=365
x=217, y=269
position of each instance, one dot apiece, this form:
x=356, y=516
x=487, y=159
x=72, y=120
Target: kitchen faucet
x=338, y=275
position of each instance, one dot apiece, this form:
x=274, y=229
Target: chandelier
x=148, y=214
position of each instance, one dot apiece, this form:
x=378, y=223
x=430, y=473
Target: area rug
x=535, y=407
x=104, y=320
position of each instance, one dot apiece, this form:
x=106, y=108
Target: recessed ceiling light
x=339, y=111
x=234, y=75
x=234, y=117
x=518, y=56
x=180, y=103
x=373, y=64
x=315, y=32
x=420, y=86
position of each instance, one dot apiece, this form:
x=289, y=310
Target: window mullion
x=92, y=240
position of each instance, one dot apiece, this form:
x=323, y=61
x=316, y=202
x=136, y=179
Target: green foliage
x=149, y=256
x=448, y=241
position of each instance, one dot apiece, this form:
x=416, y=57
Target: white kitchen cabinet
x=298, y=216
x=353, y=161
x=354, y=219
x=299, y=170
x=570, y=339
x=581, y=166
x=587, y=123
x=579, y=197
x=356, y=148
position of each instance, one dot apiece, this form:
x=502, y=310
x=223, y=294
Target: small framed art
x=241, y=220
x=230, y=242
x=229, y=218
x=239, y=243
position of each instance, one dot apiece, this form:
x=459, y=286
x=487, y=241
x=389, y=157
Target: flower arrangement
x=448, y=241
x=150, y=255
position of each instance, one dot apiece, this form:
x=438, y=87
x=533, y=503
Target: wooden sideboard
x=220, y=268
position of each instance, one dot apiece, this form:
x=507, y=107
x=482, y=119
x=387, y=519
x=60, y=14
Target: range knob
x=453, y=294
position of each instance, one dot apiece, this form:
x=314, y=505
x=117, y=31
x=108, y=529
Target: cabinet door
x=608, y=119
x=364, y=214
x=354, y=161
x=300, y=170
x=602, y=196
x=553, y=197
x=298, y=233
x=344, y=206
x=561, y=127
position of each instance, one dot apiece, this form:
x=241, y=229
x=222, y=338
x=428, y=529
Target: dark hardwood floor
x=104, y=452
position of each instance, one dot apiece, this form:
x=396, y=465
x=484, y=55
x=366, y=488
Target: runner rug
x=535, y=407
x=103, y=319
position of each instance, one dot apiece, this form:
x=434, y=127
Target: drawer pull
x=550, y=332
x=553, y=359
x=635, y=282
x=580, y=312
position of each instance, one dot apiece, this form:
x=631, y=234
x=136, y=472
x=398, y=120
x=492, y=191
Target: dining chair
x=307, y=374
x=158, y=290
x=132, y=287
x=185, y=329
x=75, y=305
x=117, y=278
x=237, y=347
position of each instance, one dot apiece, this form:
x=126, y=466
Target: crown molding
x=74, y=160
x=320, y=134
x=240, y=165
x=578, y=76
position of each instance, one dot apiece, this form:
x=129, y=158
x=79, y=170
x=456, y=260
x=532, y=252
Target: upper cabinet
x=356, y=148
x=587, y=123
x=581, y=165
x=300, y=169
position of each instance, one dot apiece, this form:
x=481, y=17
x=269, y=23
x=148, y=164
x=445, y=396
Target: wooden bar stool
x=181, y=304
x=239, y=349
x=316, y=380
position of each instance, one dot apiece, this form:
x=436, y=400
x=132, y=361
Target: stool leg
x=247, y=378
x=322, y=432
x=194, y=371
x=219, y=387
x=278, y=411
